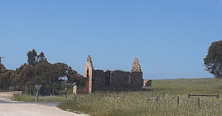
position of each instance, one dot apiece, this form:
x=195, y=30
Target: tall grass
x=136, y=103
x=28, y=98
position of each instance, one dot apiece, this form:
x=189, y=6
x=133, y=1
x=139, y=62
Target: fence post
x=36, y=97
x=198, y=100
x=217, y=96
x=157, y=99
x=163, y=95
x=178, y=100
x=188, y=95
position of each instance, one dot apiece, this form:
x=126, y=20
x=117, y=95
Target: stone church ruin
x=99, y=80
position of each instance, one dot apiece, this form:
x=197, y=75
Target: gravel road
x=14, y=108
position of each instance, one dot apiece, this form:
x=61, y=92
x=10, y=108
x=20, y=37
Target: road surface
x=14, y=108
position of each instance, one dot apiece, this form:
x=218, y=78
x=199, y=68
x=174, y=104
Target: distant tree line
x=38, y=71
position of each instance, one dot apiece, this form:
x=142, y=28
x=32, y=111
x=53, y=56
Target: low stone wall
x=147, y=83
x=83, y=88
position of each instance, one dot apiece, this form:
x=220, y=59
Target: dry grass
x=136, y=104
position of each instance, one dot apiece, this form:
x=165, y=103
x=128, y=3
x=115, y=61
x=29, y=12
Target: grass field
x=136, y=104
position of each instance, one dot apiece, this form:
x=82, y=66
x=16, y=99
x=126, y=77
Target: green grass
x=186, y=86
x=136, y=104
x=28, y=98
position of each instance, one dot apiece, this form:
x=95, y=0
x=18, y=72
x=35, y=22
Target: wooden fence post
x=188, y=95
x=217, y=96
x=198, y=100
x=157, y=99
x=178, y=100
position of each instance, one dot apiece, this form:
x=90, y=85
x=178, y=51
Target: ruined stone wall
x=74, y=89
x=98, y=80
x=83, y=88
x=107, y=78
x=111, y=80
x=88, y=84
x=119, y=80
x=116, y=80
x=136, y=80
x=136, y=66
x=126, y=78
x=88, y=74
x=147, y=83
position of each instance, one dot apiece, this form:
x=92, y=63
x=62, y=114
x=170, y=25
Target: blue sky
x=169, y=37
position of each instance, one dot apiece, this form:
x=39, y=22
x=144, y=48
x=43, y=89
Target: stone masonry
x=136, y=66
x=98, y=80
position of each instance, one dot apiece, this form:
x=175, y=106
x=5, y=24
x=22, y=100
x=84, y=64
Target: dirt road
x=12, y=108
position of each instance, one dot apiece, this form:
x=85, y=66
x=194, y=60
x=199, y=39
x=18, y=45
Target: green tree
x=213, y=60
x=6, y=78
x=41, y=57
x=46, y=75
x=39, y=71
x=2, y=67
x=32, y=57
x=19, y=81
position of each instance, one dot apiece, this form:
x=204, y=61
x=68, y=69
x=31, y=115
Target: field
x=136, y=103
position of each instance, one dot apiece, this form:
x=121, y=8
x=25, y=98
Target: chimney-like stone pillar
x=88, y=73
x=136, y=66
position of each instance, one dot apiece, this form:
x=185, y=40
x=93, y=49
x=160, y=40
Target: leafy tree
x=6, y=78
x=39, y=71
x=19, y=81
x=49, y=75
x=41, y=57
x=2, y=67
x=32, y=57
x=213, y=60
